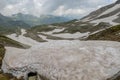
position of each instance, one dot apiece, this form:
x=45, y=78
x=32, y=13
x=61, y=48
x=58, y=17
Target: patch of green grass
x=9, y=42
x=34, y=36
x=112, y=33
x=41, y=28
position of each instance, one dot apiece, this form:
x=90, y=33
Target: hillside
x=7, y=42
x=112, y=33
x=109, y=14
x=7, y=25
x=96, y=21
x=85, y=49
x=10, y=42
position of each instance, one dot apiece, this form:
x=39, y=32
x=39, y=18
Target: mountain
x=9, y=25
x=43, y=19
x=97, y=21
x=109, y=14
x=101, y=24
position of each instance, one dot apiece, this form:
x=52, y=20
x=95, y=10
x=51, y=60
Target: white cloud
x=63, y=11
x=14, y=8
x=76, y=8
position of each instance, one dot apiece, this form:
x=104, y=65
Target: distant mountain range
x=43, y=19
x=8, y=22
x=96, y=22
x=8, y=25
x=102, y=24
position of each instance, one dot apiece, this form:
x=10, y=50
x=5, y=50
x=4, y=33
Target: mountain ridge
x=105, y=14
x=43, y=19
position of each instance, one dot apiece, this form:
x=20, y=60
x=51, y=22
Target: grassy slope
x=112, y=34
x=9, y=42
x=69, y=27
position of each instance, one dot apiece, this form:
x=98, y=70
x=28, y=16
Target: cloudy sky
x=69, y=8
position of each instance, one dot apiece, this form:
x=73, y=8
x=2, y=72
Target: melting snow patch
x=23, y=31
x=23, y=39
x=111, y=9
x=74, y=35
x=65, y=60
x=54, y=31
x=108, y=20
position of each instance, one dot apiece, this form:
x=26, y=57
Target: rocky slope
x=109, y=14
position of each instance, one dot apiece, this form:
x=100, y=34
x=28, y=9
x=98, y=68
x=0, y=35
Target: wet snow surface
x=65, y=60
x=66, y=35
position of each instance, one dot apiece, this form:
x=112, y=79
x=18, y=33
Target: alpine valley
x=57, y=48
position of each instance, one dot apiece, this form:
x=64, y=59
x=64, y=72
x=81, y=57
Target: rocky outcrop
x=115, y=77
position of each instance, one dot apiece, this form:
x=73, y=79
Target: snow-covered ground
x=23, y=31
x=66, y=35
x=54, y=31
x=26, y=40
x=75, y=35
x=117, y=6
x=108, y=20
x=65, y=60
x=23, y=39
